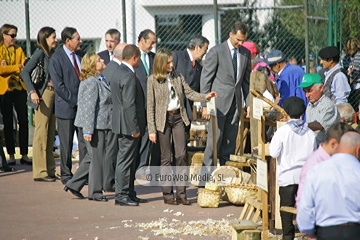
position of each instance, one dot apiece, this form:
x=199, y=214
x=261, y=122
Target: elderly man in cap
x=321, y=112
x=285, y=146
x=289, y=76
x=336, y=86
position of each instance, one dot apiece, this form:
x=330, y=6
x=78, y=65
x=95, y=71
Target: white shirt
x=292, y=150
x=191, y=57
x=173, y=100
x=69, y=54
x=129, y=66
x=231, y=48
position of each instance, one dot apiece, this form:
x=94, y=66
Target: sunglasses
x=11, y=35
x=172, y=93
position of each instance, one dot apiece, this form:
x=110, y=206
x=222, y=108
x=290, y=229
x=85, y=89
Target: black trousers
x=175, y=128
x=350, y=232
x=17, y=99
x=287, y=199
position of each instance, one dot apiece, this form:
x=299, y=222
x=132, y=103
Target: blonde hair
x=88, y=66
x=160, y=62
x=352, y=46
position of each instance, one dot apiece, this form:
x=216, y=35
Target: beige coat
x=157, y=100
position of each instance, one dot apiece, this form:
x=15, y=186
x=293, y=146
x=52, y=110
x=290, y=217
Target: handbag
x=38, y=73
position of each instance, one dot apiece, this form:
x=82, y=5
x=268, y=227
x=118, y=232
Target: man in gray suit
x=146, y=42
x=109, y=164
x=187, y=63
x=112, y=39
x=128, y=122
x=227, y=72
x=64, y=68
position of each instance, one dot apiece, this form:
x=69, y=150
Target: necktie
x=193, y=63
x=234, y=62
x=145, y=63
x=76, y=67
x=136, y=75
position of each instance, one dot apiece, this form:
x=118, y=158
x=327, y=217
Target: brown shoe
x=183, y=201
x=170, y=201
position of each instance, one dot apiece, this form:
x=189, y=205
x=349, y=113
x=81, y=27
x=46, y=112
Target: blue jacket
x=287, y=82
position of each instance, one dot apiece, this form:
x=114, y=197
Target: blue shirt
x=331, y=194
x=289, y=78
x=69, y=54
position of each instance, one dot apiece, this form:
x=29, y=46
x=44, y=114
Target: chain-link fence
x=278, y=24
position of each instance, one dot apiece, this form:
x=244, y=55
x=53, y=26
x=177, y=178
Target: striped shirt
x=325, y=112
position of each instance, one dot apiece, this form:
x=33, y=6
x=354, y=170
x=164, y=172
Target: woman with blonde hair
x=166, y=116
x=41, y=98
x=93, y=118
x=13, y=93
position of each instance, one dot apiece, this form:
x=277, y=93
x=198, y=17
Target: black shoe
x=99, y=199
x=139, y=200
x=23, y=161
x=170, y=201
x=74, y=192
x=7, y=169
x=56, y=177
x=125, y=202
x=45, y=179
x=183, y=201
x=12, y=163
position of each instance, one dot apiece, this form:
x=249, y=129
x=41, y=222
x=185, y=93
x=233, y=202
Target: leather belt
x=349, y=224
x=174, y=111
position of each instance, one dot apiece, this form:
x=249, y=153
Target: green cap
x=310, y=79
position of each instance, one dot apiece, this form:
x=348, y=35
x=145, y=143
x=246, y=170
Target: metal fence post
x=216, y=22
x=335, y=21
x=28, y=51
x=123, y=4
x=306, y=23
x=330, y=21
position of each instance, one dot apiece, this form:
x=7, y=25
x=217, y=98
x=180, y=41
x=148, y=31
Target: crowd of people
x=132, y=107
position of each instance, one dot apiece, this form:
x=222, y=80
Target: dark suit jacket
x=66, y=84
x=218, y=75
x=182, y=63
x=128, y=102
x=105, y=55
x=109, y=70
x=141, y=72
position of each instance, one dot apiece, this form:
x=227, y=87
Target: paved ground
x=38, y=210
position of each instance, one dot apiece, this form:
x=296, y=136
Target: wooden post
x=265, y=204
x=213, y=120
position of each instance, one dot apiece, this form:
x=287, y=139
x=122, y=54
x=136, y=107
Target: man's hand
x=205, y=115
x=152, y=137
x=311, y=236
x=136, y=135
x=88, y=138
x=211, y=95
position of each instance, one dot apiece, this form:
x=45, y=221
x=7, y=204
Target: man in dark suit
x=187, y=63
x=128, y=122
x=112, y=39
x=227, y=72
x=64, y=68
x=110, y=164
x=146, y=42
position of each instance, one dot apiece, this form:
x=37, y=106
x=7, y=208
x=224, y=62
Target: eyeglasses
x=11, y=35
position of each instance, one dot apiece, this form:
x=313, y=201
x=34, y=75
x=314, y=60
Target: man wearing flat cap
x=336, y=85
x=291, y=145
x=321, y=112
x=289, y=76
